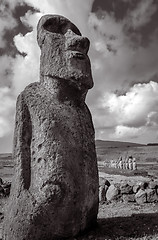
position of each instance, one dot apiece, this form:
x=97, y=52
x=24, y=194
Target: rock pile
x=4, y=188
x=140, y=192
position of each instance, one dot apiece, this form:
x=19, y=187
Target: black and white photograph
x=78, y=119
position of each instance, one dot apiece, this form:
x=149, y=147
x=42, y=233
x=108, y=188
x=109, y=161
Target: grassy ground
x=117, y=220
x=120, y=221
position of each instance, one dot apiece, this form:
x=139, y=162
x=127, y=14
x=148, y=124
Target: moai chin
x=54, y=191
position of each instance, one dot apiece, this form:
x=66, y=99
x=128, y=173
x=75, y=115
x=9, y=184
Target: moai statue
x=124, y=164
x=134, y=164
x=130, y=164
x=112, y=165
x=121, y=164
x=115, y=164
x=127, y=163
x=54, y=192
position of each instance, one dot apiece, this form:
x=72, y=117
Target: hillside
x=5, y=155
x=116, y=144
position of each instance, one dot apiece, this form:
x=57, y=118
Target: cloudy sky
x=124, y=60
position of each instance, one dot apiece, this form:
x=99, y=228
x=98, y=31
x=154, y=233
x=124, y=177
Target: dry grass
x=119, y=221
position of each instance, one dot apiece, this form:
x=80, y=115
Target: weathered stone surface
x=141, y=196
x=54, y=192
x=4, y=188
x=151, y=195
x=102, y=193
x=156, y=181
x=112, y=193
x=107, y=183
x=103, y=181
x=143, y=185
x=136, y=188
x=125, y=188
x=1, y=181
x=1, y=190
x=128, y=197
x=152, y=185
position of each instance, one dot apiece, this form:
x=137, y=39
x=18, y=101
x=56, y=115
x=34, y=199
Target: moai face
x=64, y=51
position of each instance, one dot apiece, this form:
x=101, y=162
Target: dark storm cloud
x=19, y=27
x=123, y=53
x=120, y=10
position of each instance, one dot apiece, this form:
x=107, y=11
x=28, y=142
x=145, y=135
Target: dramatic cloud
x=7, y=21
x=26, y=69
x=133, y=108
x=6, y=111
x=131, y=114
x=76, y=11
x=116, y=65
x=125, y=71
x=5, y=70
x=142, y=14
x=122, y=132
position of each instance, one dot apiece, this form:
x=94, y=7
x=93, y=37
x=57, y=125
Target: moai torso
x=55, y=188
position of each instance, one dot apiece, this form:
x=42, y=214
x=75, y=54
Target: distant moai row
x=127, y=163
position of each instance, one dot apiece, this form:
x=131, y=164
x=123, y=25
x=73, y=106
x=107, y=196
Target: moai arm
x=22, y=141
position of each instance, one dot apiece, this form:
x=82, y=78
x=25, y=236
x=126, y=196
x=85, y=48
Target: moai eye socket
x=60, y=26
x=51, y=25
x=54, y=24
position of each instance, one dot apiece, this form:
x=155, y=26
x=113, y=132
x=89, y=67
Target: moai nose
x=76, y=42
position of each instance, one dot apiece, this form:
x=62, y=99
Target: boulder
x=1, y=181
x=102, y=193
x=1, y=190
x=1, y=217
x=141, y=196
x=103, y=181
x=112, y=193
x=152, y=185
x=151, y=195
x=136, y=188
x=156, y=182
x=6, y=190
x=143, y=185
x=125, y=188
x=128, y=197
x=107, y=183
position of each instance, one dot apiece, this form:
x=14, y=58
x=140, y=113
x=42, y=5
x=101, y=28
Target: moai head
x=64, y=52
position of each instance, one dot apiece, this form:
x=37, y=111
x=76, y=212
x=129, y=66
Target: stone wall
x=4, y=188
x=139, y=192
